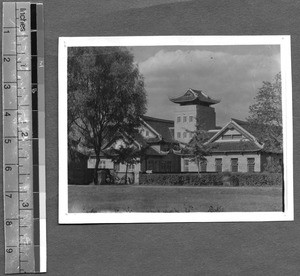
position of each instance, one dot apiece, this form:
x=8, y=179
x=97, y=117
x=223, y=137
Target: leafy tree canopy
x=125, y=154
x=197, y=149
x=106, y=94
x=265, y=115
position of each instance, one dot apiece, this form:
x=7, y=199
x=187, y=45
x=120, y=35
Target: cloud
x=233, y=78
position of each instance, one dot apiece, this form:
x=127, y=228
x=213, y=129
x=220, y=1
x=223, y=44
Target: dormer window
x=232, y=137
x=237, y=136
x=226, y=137
x=147, y=133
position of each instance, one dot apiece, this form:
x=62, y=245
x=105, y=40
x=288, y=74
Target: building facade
x=193, y=108
x=160, y=151
x=233, y=148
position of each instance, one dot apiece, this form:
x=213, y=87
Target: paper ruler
x=23, y=137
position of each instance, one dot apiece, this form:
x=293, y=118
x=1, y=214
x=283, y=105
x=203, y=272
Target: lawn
x=110, y=198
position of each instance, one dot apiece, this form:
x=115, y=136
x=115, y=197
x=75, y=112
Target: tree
x=197, y=149
x=128, y=155
x=265, y=115
x=106, y=94
x=266, y=122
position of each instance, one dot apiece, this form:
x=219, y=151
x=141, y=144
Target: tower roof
x=193, y=96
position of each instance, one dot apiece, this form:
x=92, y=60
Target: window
x=178, y=119
x=169, y=166
x=184, y=134
x=232, y=137
x=234, y=165
x=131, y=167
x=203, y=166
x=178, y=135
x=191, y=118
x=218, y=164
x=117, y=167
x=186, y=166
x=147, y=133
x=150, y=165
x=237, y=136
x=226, y=137
x=102, y=164
x=184, y=119
x=250, y=164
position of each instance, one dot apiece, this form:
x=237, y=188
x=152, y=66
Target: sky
x=232, y=74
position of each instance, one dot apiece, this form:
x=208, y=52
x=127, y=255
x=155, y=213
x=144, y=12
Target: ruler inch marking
x=21, y=27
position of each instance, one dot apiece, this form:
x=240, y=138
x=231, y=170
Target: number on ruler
x=7, y=86
x=9, y=250
x=7, y=141
x=7, y=114
x=9, y=223
x=24, y=134
x=8, y=168
x=25, y=204
x=6, y=59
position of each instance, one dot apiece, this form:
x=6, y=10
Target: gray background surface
x=166, y=249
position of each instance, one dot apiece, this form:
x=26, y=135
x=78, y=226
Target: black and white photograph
x=175, y=129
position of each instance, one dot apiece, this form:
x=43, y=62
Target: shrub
x=211, y=179
x=215, y=209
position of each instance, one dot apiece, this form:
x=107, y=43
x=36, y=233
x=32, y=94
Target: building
x=155, y=138
x=194, y=107
x=233, y=148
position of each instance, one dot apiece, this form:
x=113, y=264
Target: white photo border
x=137, y=217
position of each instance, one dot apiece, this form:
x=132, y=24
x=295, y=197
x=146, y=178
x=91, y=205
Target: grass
x=93, y=199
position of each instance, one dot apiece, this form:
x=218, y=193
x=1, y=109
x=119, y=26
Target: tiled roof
x=241, y=146
x=140, y=139
x=256, y=131
x=153, y=140
x=151, y=151
x=162, y=127
x=245, y=125
x=194, y=96
x=210, y=134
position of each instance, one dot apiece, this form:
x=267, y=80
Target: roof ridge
x=157, y=119
x=239, y=121
x=194, y=95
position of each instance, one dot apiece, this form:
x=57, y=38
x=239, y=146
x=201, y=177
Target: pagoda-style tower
x=192, y=106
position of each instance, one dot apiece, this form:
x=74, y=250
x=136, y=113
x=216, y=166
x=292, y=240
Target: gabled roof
x=245, y=125
x=250, y=145
x=238, y=127
x=124, y=136
x=240, y=146
x=193, y=96
x=256, y=130
x=160, y=126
